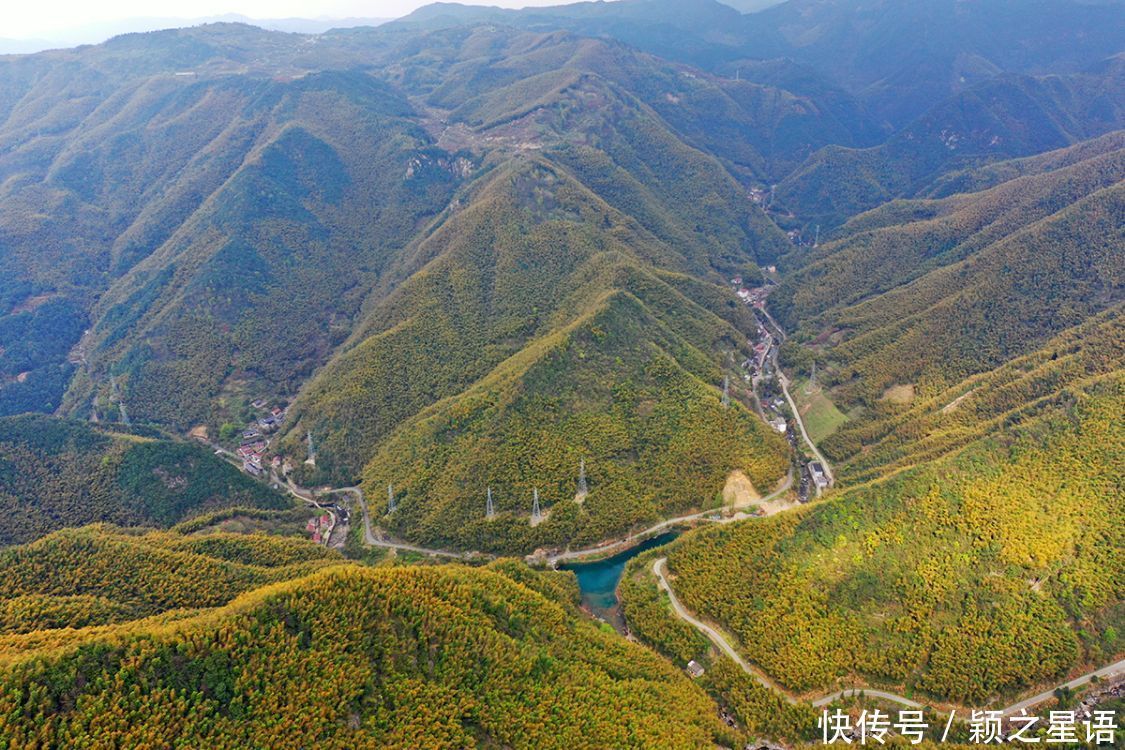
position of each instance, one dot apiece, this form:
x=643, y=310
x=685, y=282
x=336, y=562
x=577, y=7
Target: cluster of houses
x=759, y=370
x=255, y=441
x=756, y=297
x=320, y=527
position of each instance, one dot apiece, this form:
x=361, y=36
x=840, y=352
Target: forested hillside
x=56, y=473
x=926, y=293
x=896, y=59
x=524, y=282
x=995, y=568
x=557, y=345
x=998, y=119
x=101, y=574
x=395, y=657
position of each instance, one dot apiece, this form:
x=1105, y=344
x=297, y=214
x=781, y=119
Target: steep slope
x=904, y=240
x=970, y=577
x=55, y=473
x=971, y=549
x=106, y=152
x=929, y=292
x=241, y=203
x=533, y=264
x=392, y=657
x=982, y=178
x=1005, y=117
x=762, y=123
x=896, y=437
x=897, y=58
x=622, y=390
x=304, y=224
x=901, y=57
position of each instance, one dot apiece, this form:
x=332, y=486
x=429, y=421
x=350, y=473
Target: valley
x=633, y=374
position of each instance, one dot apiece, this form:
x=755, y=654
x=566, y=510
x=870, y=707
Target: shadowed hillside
x=55, y=474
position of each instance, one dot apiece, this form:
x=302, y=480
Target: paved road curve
x=371, y=540
x=713, y=635
x=629, y=541
x=1114, y=670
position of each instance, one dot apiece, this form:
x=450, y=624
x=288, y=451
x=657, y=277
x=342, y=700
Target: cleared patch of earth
x=739, y=491
x=899, y=394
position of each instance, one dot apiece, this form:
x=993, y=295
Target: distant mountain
x=901, y=56
x=320, y=236
x=897, y=56
x=96, y=33
x=496, y=263
x=995, y=120
x=929, y=292
x=751, y=6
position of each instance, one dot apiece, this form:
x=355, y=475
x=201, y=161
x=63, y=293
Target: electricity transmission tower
x=489, y=511
x=311, y=460
x=536, y=512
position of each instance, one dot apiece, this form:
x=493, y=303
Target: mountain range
x=522, y=281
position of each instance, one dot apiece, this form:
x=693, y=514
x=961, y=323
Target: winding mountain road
x=783, y=380
x=371, y=540
x=713, y=635
x=1117, y=669
x=626, y=543
x=659, y=568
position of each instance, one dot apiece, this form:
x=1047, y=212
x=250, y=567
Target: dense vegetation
x=649, y=426
x=100, y=573
x=759, y=710
x=55, y=473
x=392, y=657
x=930, y=292
x=997, y=119
x=478, y=248
x=545, y=328
x=892, y=61
x=975, y=575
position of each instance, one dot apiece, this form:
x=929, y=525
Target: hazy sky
x=21, y=19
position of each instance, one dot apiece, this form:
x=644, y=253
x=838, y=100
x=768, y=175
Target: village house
x=819, y=478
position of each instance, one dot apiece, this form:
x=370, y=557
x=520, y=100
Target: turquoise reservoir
x=598, y=580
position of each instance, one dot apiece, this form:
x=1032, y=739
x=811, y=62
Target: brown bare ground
x=739, y=491
x=899, y=394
